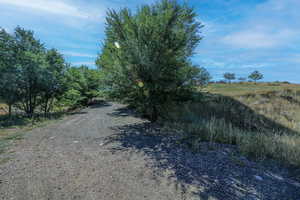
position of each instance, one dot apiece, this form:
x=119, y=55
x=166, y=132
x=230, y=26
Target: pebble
x=259, y=178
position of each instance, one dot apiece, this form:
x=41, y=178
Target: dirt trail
x=78, y=158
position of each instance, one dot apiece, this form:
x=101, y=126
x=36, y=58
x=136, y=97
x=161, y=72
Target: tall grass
x=259, y=145
x=255, y=130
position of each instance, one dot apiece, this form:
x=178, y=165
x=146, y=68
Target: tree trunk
x=9, y=110
x=50, y=104
x=46, y=107
x=154, y=114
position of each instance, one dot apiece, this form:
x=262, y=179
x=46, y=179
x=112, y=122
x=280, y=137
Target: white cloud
x=259, y=38
x=76, y=54
x=49, y=6
x=274, y=23
x=248, y=39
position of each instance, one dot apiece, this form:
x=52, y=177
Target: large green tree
x=83, y=84
x=31, y=76
x=30, y=57
x=146, y=55
x=93, y=80
x=9, y=71
x=54, y=79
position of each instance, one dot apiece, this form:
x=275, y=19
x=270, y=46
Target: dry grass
x=259, y=145
x=278, y=102
x=3, y=109
x=238, y=89
x=262, y=121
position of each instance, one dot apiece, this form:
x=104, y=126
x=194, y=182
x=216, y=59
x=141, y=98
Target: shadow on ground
x=99, y=104
x=124, y=112
x=217, y=173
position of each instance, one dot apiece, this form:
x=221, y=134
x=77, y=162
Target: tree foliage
x=83, y=84
x=146, y=55
x=203, y=77
x=229, y=76
x=32, y=77
x=255, y=76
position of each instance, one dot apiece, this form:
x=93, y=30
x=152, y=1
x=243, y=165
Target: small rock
x=227, y=150
x=76, y=141
x=243, y=158
x=259, y=178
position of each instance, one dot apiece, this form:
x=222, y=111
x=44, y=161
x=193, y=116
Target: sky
x=239, y=36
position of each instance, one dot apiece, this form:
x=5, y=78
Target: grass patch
x=21, y=120
x=7, y=139
x=258, y=145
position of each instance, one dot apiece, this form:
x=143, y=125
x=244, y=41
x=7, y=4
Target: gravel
x=107, y=153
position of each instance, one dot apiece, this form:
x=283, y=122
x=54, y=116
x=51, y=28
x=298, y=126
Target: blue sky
x=240, y=36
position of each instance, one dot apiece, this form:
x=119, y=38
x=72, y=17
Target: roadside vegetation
x=37, y=84
x=261, y=120
x=35, y=80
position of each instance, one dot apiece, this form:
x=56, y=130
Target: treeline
x=36, y=79
x=253, y=77
x=145, y=63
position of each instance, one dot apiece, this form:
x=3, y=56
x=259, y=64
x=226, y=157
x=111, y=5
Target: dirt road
x=101, y=154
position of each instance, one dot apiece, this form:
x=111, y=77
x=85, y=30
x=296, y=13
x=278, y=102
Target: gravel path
x=105, y=153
